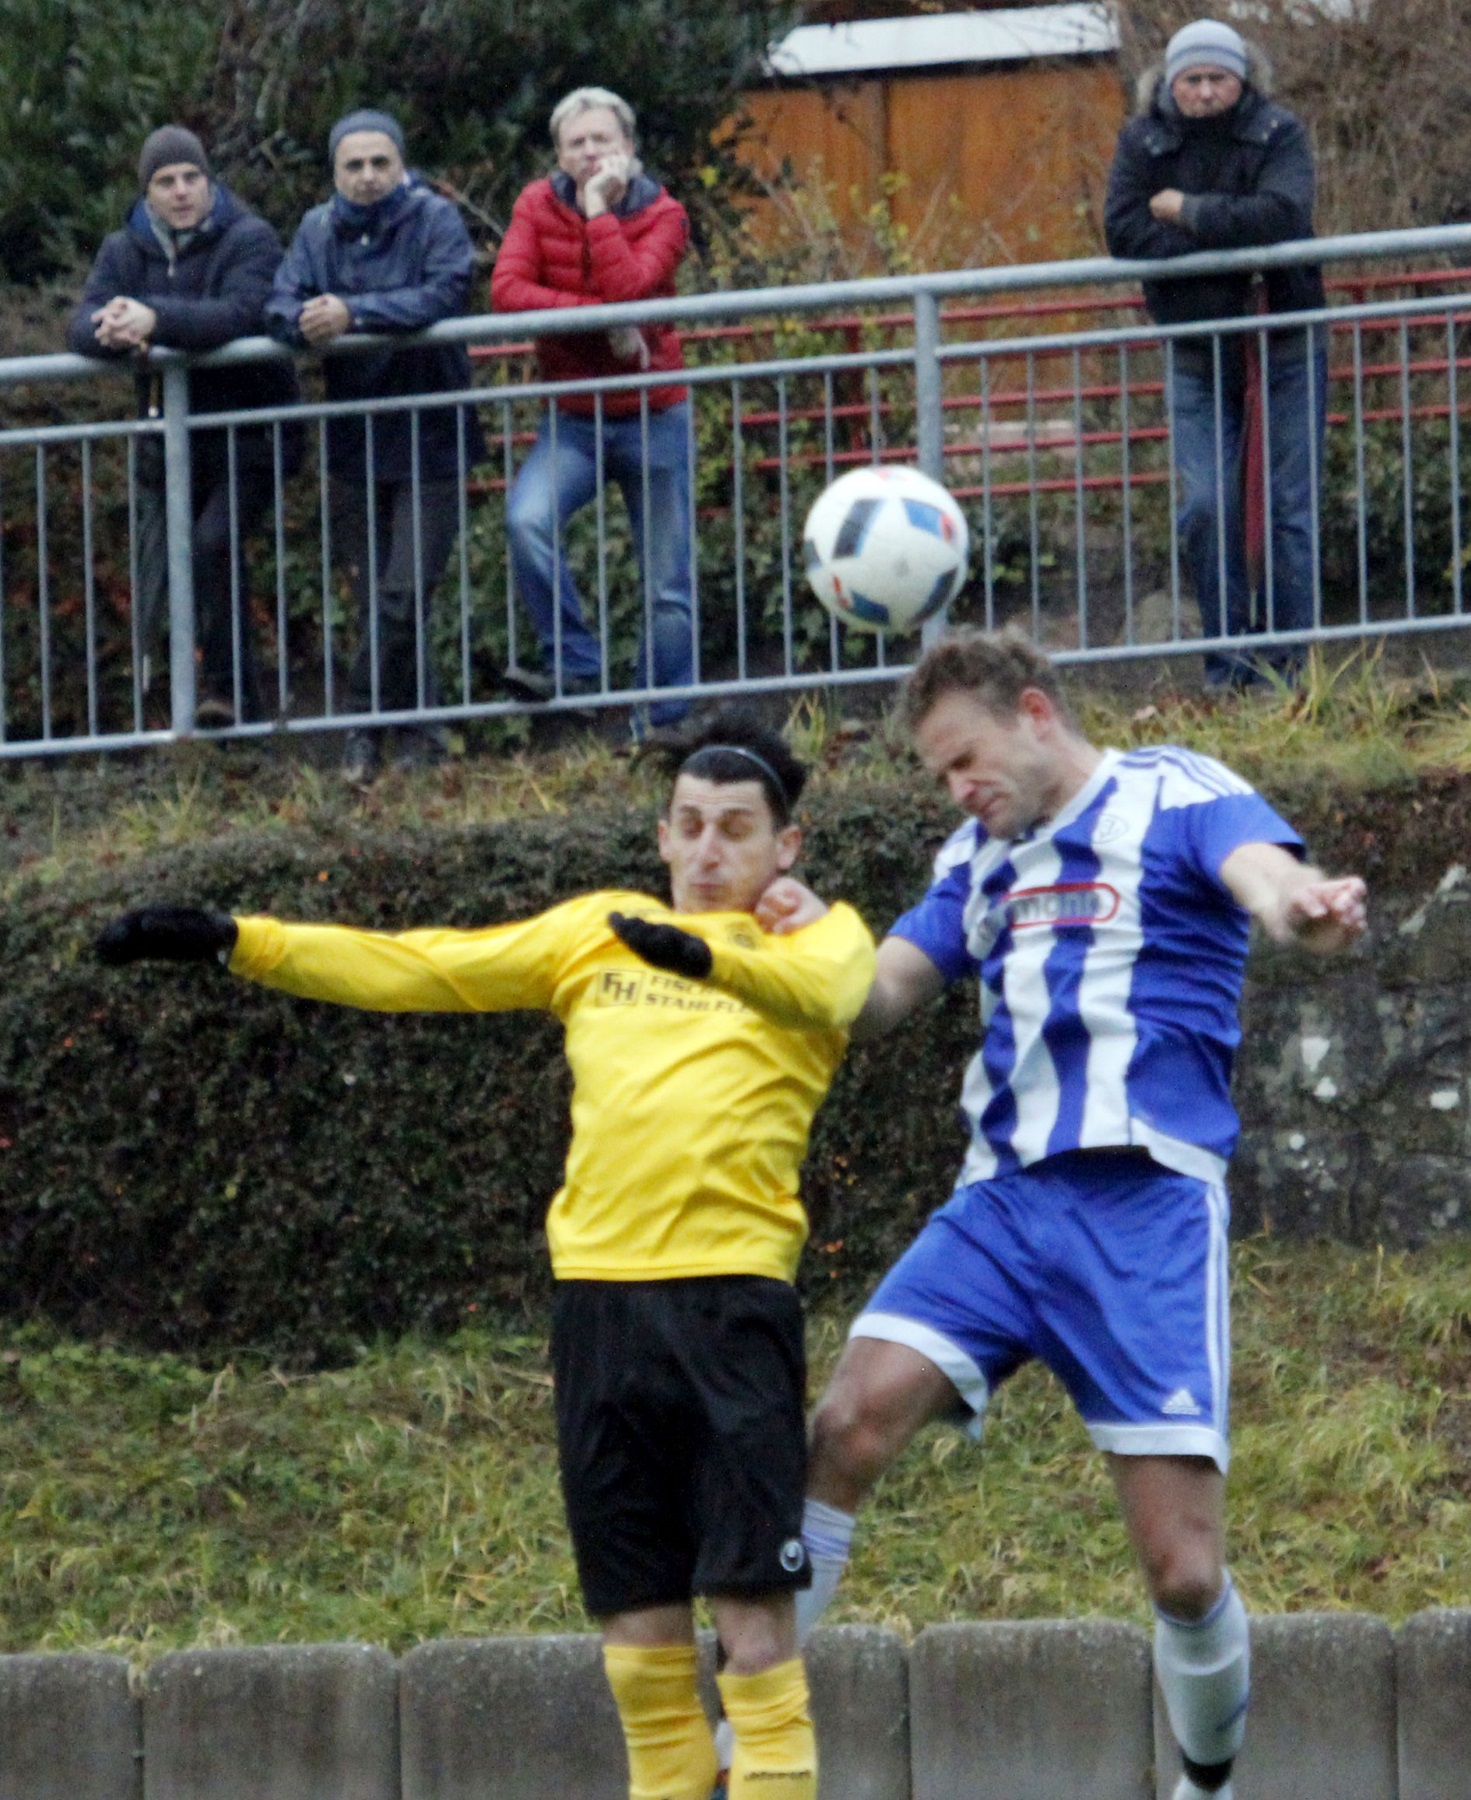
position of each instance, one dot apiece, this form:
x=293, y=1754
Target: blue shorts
x=1108, y=1268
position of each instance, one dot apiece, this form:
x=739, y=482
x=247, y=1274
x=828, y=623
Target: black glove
x=665, y=946
x=167, y=934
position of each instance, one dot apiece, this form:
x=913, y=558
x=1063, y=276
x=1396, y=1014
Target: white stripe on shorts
x=963, y=1373
x=1163, y=1440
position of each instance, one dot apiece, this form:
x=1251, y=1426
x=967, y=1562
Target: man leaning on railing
x=386, y=254
x=191, y=270
x=599, y=230
x=1210, y=163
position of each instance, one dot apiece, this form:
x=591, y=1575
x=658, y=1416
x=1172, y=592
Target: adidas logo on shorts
x=1181, y=1405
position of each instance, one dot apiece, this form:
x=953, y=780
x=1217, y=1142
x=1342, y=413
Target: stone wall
x=1342, y=1709
x=1354, y=1079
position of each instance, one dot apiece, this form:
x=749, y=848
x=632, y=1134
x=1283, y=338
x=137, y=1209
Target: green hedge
x=186, y=1159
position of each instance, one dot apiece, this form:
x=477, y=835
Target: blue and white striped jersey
x=1110, y=957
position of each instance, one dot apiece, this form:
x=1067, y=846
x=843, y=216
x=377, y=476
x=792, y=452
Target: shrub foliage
x=189, y=1160
x=185, y=1158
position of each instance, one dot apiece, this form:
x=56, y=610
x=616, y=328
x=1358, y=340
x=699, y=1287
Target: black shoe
x=362, y=755
x=535, y=688
x=214, y=713
x=419, y=747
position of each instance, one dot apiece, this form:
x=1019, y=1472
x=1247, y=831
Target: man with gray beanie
x=191, y=269
x=386, y=254
x=1211, y=163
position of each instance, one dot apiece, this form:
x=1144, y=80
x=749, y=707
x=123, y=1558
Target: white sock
x=1203, y=1666
x=828, y=1535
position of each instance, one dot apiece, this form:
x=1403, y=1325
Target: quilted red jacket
x=552, y=256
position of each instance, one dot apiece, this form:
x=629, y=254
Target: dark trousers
x=391, y=590
x=221, y=582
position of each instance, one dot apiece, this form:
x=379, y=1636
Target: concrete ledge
x=512, y=1718
x=859, y=1677
x=1031, y=1711
x=1322, y=1721
x=971, y=1712
x=1433, y=1683
x=301, y=1722
x=70, y=1729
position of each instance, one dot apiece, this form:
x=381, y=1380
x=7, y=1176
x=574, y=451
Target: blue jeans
x=554, y=483
x=1212, y=509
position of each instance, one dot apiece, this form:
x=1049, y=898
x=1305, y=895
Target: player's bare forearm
x=904, y=980
x=1295, y=903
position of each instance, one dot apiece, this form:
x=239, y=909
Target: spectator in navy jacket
x=1211, y=163
x=191, y=269
x=386, y=254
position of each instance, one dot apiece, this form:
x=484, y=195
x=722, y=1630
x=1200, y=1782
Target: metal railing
x=1058, y=442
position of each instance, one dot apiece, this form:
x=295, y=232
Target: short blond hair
x=995, y=667
x=585, y=99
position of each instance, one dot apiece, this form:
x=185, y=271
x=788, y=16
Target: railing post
x=179, y=513
x=929, y=421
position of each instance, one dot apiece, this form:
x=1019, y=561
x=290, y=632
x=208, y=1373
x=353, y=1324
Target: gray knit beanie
x=365, y=119
x=169, y=144
x=1205, y=44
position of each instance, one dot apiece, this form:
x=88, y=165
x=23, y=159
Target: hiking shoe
x=361, y=756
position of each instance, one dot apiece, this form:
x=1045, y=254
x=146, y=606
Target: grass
x=1353, y=721
x=148, y=1503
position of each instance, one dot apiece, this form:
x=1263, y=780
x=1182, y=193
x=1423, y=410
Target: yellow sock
x=671, y=1754
x=775, y=1752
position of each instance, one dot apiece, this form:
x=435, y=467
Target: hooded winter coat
x=211, y=290
x=1249, y=178
x=399, y=265
x=553, y=256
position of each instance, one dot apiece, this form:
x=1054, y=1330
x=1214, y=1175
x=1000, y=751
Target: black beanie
x=170, y=144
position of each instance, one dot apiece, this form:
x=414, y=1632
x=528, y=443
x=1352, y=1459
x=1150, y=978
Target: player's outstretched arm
x=812, y=981
x=182, y=934
x=1294, y=902
x=904, y=980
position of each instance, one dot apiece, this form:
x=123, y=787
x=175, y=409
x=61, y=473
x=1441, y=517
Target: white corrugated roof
x=1013, y=34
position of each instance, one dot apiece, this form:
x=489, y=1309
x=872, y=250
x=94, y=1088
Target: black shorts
x=682, y=1438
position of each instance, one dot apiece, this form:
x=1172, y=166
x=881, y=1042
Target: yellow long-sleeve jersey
x=692, y=1100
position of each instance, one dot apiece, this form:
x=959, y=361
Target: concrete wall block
x=510, y=1718
x=1433, y=1680
x=299, y=1722
x=1030, y=1711
x=1322, y=1721
x=70, y=1729
x=859, y=1675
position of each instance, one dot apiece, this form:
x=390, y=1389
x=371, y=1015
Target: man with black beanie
x=1211, y=163
x=191, y=270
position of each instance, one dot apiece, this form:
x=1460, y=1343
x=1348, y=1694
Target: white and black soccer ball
x=885, y=548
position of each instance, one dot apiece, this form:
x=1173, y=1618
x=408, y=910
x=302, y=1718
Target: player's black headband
x=771, y=781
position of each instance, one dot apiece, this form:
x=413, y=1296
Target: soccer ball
x=885, y=548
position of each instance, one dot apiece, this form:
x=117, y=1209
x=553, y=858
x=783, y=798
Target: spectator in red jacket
x=600, y=230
